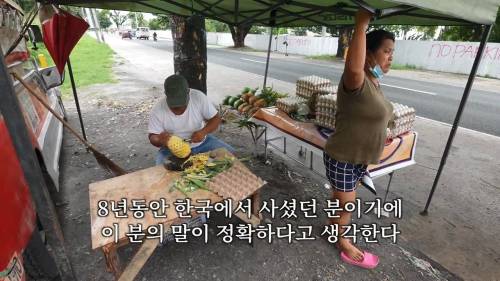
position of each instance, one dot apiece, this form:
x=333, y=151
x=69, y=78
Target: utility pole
x=96, y=23
x=91, y=20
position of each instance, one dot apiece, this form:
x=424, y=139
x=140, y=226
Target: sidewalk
x=459, y=234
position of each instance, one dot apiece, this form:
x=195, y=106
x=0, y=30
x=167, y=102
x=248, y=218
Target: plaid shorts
x=343, y=176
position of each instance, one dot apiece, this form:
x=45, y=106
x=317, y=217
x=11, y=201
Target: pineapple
x=178, y=147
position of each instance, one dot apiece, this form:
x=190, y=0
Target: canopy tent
x=307, y=13
x=328, y=13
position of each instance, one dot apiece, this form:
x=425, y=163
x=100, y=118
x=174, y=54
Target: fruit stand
x=308, y=118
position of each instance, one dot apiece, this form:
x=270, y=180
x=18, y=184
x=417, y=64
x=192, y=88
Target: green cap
x=176, y=90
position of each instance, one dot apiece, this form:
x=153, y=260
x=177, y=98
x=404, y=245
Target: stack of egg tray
x=325, y=111
x=308, y=86
x=290, y=104
x=237, y=183
x=403, y=120
x=325, y=90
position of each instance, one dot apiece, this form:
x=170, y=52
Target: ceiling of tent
x=309, y=13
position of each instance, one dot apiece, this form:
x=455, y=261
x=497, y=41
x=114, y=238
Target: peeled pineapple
x=178, y=147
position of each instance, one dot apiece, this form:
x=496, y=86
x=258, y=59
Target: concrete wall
x=455, y=57
x=300, y=45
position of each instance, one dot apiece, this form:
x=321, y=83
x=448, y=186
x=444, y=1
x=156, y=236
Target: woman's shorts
x=343, y=176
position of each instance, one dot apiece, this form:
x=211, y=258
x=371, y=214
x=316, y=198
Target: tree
x=118, y=18
x=470, y=33
x=215, y=26
x=344, y=34
x=428, y=32
x=104, y=18
x=461, y=33
x=160, y=22
x=190, y=49
x=133, y=19
x=495, y=33
x=239, y=33
x=302, y=31
x=257, y=29
x=136, y=19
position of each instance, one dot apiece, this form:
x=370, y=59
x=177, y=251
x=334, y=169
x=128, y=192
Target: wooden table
x=149, y=184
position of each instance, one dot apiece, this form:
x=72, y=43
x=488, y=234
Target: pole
x=470, y=81
x=92, y=20
x=75, y=95
x=268, y=55
x=97, y=25
x=272, y=22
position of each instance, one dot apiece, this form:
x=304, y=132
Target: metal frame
x=343, y=9
x=463, y=102
x=269, y=142
x=75, y=96
x=210, y=9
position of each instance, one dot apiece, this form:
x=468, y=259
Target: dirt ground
x=116, y=118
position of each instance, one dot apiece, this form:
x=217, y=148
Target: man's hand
x=198, y=136
x=159, y=140
x=164, y=137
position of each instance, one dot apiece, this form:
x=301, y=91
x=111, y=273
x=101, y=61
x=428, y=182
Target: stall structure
x=399, y=152
x=276, y=13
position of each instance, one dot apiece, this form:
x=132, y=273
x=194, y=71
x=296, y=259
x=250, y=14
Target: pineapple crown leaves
x=270, y=95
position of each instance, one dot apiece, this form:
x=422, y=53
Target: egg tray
x=237, y=183
x=403, y=120
x=325, y=120
x=312, y=82
x=326, y=103
x=327, y=90
x=290, y=104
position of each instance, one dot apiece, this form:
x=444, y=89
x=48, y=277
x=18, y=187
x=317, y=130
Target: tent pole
x=75, y=95
x=472, y=75
x=268, y=55
x=272, y=23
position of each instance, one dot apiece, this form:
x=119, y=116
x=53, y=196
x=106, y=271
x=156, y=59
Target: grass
x=334, y=58
x=324, y=57
x=91, y=61
x=403, y=67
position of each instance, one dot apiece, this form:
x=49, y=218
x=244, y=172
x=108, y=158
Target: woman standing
x=361, y=122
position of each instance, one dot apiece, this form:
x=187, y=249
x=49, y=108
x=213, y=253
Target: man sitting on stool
x=186, y=113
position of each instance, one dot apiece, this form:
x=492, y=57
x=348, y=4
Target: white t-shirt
x=199, y=110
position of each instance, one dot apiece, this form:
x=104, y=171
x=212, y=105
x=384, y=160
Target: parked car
x=126, y=34
x=142, y=33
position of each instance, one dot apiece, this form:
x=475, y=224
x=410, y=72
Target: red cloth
x=61, y=33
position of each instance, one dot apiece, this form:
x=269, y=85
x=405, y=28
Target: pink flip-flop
x=370, y=261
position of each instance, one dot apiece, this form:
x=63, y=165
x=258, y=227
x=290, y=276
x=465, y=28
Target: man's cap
x=177, y=91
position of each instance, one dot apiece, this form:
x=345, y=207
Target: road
x=431, y=100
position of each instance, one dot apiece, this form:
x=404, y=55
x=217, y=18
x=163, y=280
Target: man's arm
x=211, y=125
x=159, y=140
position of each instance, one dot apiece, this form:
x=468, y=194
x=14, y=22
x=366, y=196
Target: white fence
x=455, y=57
